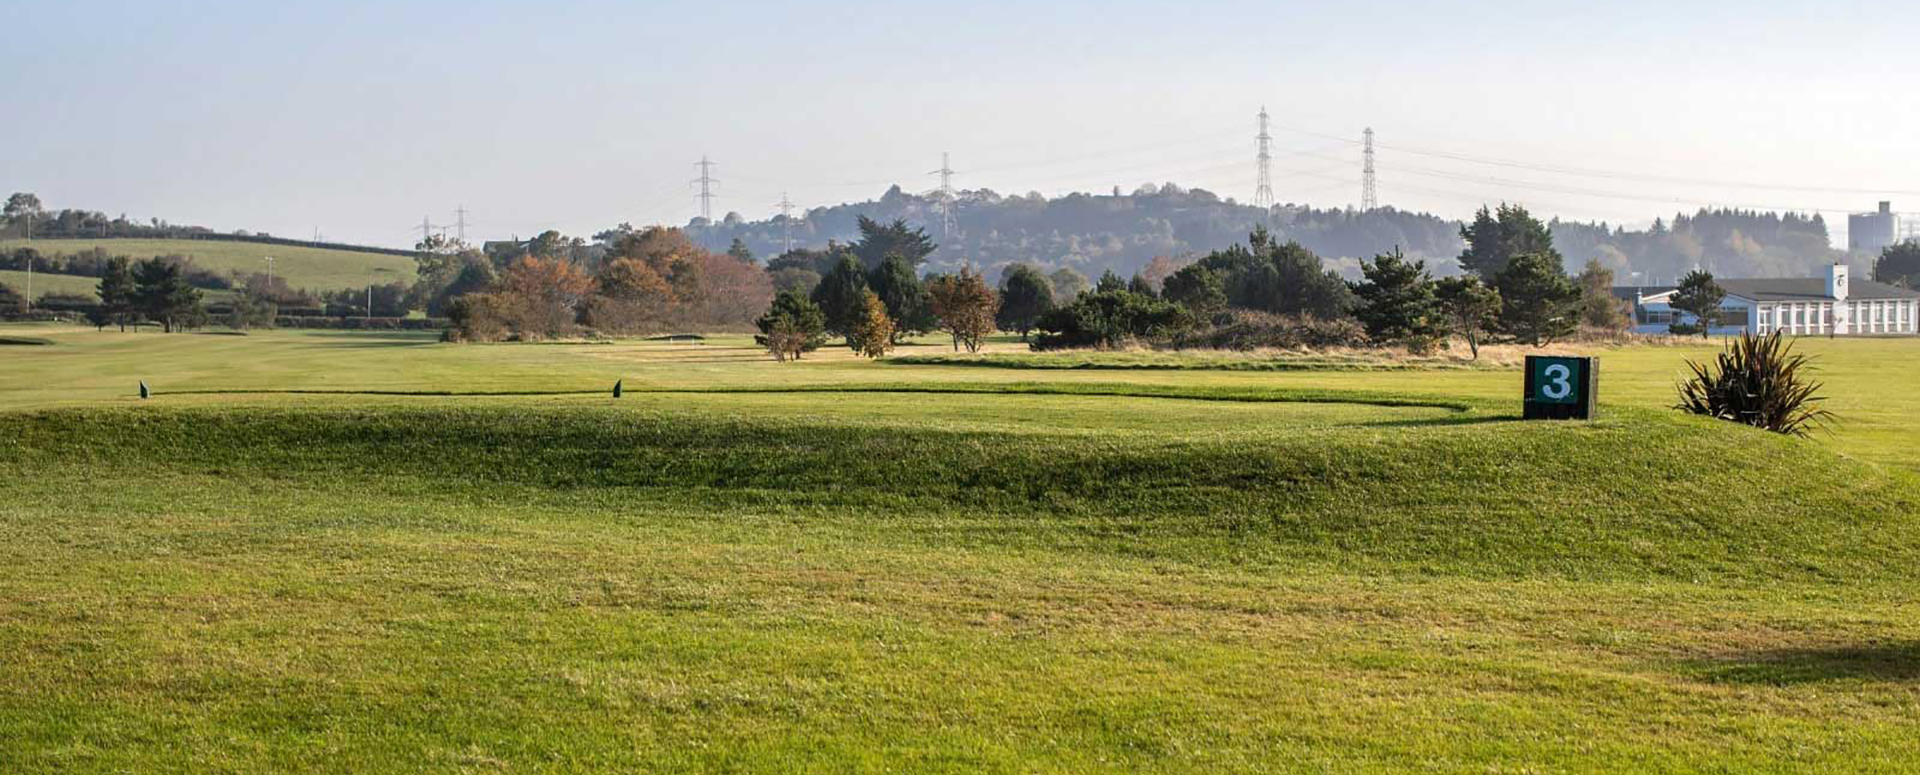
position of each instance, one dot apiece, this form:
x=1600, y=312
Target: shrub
x=793, y=325
x=965, y=307
x=1107, y=319
x=872, y=333
x=1757, y=381
x=1248, y=330
x=480, y=317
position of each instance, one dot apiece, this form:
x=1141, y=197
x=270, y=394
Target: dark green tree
x=1140, y=285
x=1397, y=301
x=117, y=291
x=793, y=325
x=1539, y=303
x=906, y=298
x=1700, y=295
x=739, y=251
x=1025, y=295
x=1495, y=237
x=879, y=241
x=1109, y=282
x=1285, y=278
x=1198, y=289
x=1471, y=308
x=841, y=296
x=1899, y=265
x=163, y=295
x=1109, y=319
x=475, y=275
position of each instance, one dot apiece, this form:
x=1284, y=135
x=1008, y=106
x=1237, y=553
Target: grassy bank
x=317, y=269
x=841, y=566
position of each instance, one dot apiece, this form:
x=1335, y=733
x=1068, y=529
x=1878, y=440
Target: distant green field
x=309, y=552
x=49, y=283
x=310, y=268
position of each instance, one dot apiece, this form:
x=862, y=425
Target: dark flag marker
x=144, y=392
x=616, y=387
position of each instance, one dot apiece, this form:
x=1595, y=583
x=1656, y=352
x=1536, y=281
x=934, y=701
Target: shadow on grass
x=1887, y=662
x=364, y=340
x=432, y=393
x=1448, y=420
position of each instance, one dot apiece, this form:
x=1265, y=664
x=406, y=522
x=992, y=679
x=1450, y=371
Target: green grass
x=842, y=566
x=1210, y=361
x=316, y=269
x=44, y=283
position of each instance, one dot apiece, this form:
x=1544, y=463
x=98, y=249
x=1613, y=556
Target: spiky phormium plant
x=1758, y=381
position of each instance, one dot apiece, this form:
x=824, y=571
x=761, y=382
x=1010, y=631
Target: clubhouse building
x=1814, y=306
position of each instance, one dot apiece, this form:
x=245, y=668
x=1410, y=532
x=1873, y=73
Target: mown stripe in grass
x=1188, y=362
x=1114, y=390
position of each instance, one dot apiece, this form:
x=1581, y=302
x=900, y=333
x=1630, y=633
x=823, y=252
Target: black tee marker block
x=616, y=387
x=1560, y=388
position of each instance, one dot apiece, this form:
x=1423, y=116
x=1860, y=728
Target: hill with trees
x=1124, y=232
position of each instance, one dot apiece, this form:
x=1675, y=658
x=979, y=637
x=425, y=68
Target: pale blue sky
x=358, y=118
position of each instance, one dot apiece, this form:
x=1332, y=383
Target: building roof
x=1779, y=289
x=1634, y=292
x=1810, y=289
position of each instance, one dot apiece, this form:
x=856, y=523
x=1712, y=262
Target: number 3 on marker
x=1559, y=384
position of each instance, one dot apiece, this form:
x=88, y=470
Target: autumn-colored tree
x=547, y=295
x=732, y=293
x=872, y=333
x=632, y=298
x=1159, y=269
x=965, y=306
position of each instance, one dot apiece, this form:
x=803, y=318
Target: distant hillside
x=1093, y=233
x=316, y=269
x=1123, y=232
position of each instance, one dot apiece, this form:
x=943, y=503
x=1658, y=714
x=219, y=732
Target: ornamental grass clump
x=1757, y=381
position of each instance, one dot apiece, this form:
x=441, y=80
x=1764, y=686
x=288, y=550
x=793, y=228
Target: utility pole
x=1369, y=198
x=706, y=182
x=460, y=225
x=1263, y=186
x=786, y=221
x=29, y=261
x=269, y=260
x=945, y=196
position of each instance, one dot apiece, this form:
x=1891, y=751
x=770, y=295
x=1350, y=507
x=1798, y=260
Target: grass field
x=314, y=269
x=49, y=283
x=842, y=566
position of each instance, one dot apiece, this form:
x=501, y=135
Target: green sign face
x=1556, y=380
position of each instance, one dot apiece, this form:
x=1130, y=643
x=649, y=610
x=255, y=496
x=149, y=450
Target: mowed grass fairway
x=834, y=565
x=315, y=269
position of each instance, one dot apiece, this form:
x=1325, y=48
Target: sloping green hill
x=49, y=283
x=310, y=268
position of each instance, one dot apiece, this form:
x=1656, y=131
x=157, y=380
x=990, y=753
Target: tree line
x=1264, y=292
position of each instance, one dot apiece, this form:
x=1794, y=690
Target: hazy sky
x=358, y=118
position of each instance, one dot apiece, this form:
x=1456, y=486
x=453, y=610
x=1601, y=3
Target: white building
x=1874, y=231
x=1813, y=306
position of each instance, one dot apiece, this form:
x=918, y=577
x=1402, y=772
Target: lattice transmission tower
x=1263, y=187
x=945, y=195
x=1369, y=197
x=786, y=221
x=706, y=182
